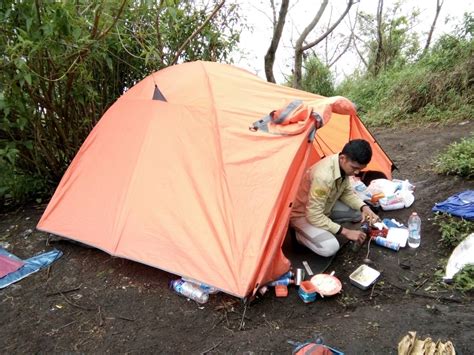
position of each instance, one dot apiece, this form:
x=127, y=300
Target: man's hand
x=369, y=215
x=355, y=235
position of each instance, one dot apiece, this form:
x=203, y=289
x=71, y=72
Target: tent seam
x=221, y=160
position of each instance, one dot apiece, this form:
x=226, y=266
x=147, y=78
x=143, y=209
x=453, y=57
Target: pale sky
x=256, y=41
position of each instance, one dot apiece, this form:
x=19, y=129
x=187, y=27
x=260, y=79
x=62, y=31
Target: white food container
x=364, y=276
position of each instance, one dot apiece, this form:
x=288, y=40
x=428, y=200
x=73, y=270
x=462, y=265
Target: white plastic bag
x=461, y=256
x=360, y=189
x=398, y=194
x=382, y=186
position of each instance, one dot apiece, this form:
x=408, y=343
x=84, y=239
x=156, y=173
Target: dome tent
x=172, y=176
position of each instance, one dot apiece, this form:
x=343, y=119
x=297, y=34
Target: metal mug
x=299, y=276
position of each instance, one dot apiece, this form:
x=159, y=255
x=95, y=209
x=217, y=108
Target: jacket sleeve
x=349, y=197
x=317, y=199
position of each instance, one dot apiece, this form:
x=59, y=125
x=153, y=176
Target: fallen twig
x=63, y=292
x=421, y=284
x=217, y=323
x=420, y=294
x=76, y=305
x=211, y=348
x=66, y=325
x=101, y=319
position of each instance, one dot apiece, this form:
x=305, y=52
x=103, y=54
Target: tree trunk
x=277, y=32
x=380, y=49
x=439, y=4
x=300, y=47
x=297, y=74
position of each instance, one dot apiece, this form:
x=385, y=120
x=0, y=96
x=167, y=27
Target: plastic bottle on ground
x=414, y=230
x=189, y=290
x=282, y=281
x=205, y=287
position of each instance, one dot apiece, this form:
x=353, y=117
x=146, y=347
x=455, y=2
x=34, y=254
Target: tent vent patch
x=157, y=95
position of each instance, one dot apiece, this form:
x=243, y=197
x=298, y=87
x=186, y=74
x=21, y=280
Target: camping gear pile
x=388, y=194
x=318, y=286
x=172, y=176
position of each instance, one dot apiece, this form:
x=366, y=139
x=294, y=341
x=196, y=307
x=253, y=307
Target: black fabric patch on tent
x=157, y=95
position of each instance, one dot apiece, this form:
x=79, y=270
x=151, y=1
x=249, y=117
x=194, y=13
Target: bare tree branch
x=348, y=44
x=196, y=32
x=277, y=32
x=326, y=40
x=330, y=29
x=300, y=48
x=360, y=55
x=158, y=32
x=439, y=4
x=274, y=19
x=346, y=48
x=299, y=45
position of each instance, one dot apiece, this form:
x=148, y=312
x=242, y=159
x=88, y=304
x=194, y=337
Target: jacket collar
x=337, y=171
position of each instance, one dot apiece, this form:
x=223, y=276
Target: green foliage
x=458, y=159
x=436, y=88
x=64, y=63
x=17, y=187
x=453, y=229
x=464, y=279
x=397, y=45
x=317, y=77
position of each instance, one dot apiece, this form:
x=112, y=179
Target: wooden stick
x=62, y=292
x=242, y=322
x=425, y=294
x=211, y=348
x=196, y=32
x=76, y=305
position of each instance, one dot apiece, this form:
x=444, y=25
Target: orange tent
x=172, y=176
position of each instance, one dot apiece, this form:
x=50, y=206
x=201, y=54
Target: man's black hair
x=358, y=150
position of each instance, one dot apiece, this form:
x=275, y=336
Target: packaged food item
x=364, y=276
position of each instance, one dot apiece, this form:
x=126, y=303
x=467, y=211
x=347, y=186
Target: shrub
x=436, y=88
x=317, y=78
x=458, y=159
x=464, y=279
x=453, y=229
x=17, y=187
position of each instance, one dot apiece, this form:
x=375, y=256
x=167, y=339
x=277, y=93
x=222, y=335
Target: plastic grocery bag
x=397, y=194
x=461, y=256
x=360, y=189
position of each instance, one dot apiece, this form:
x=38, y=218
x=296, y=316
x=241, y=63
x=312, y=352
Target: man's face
x=350, y=167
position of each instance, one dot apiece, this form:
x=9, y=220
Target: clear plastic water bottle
x=189, y=290
x=414, y=230
x=205, y=287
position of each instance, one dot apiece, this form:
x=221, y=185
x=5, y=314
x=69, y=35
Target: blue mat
x=31, y=265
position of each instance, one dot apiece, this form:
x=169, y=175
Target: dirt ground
x=89, y=302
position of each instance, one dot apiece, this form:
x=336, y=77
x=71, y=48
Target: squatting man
x=325, y=199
